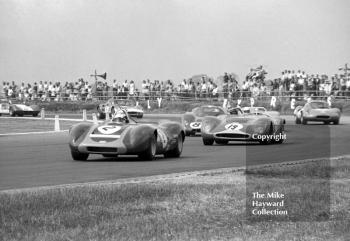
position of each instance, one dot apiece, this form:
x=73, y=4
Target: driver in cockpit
x=120, y=116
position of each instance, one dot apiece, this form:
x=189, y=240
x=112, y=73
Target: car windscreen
x=208, y=111
x=319, y=105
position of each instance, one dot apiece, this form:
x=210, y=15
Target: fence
x=184, y=96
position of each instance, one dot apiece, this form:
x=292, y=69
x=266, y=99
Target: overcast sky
x=62, y=40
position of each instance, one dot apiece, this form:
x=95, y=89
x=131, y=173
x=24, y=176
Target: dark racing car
x=123, y=136
x=261, y=128
x=192, y=121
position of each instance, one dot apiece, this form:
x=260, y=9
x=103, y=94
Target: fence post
x=84, y=115
x=57, y=123
x=94, y=118
x=42, y=113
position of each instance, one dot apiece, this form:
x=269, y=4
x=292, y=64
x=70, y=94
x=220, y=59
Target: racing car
x=20, y=109
x=316, y=111
x=259, y=110
x=263, y=128
x=124, y=136
x=192, y=121
x=133, y=111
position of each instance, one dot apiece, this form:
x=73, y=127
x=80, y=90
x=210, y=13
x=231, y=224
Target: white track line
x=150, y=179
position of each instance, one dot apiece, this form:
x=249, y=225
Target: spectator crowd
x=290, y=83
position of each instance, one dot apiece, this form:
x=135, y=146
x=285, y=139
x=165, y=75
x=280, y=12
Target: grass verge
x=202, y=207
x=22, y=125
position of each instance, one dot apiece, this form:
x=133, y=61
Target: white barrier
x=273, y=101
x=159, y=99
x=224, y=105
x=84, y=115
x=94, y=118
x=252, y=101
x=57, y=123
x=292, y=104
x=239, y=101
x=42, y=113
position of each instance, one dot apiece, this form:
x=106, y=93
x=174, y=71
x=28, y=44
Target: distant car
x=318, y=111
x=123, y=136
x=192, y=121
x=23, y=109
x=133, y=111
x=263, y=128
x=259, y=110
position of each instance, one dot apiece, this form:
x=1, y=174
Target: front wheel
x=178, y=149
x=78, y=156
x=208, y=141
x=302, y=119
x=150, y=153
x=297, y=120
x=336, y=122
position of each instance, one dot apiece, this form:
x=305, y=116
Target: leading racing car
x=261, y=128
x=318, y=111
x=192, y=121
x=123, y=136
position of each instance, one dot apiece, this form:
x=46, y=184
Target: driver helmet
x=120, y=116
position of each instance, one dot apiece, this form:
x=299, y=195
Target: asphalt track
x=44, y=159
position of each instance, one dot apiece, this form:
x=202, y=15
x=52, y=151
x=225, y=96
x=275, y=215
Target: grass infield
x=23, y=126
x=202, y=207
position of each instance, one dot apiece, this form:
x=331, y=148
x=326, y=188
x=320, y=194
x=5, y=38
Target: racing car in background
x=318, y=111
x=18, y=109
x=192, y=121
x=123, y=136
x=259, y=110
x=262, y=128
x=133, y=111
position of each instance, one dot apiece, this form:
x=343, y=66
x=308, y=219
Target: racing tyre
x=270, y=132
x=221, y=142
x=302, y=119
x=35, y=114
x=297, y=120
x=12, y=113
x=78, y=156
x=150, y=153
x=326, y=122
x=208, y=141
x=336, y=122
x=178, y=149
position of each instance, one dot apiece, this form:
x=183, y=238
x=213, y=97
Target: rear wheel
x=302, y=119
x=178, y=149
x=12, y=113
x=150, y=153
x=78, y=156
